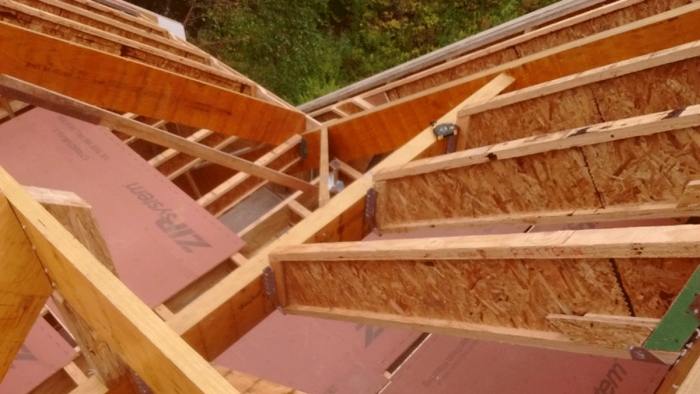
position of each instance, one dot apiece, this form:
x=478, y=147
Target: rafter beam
x=120, y=84
x=475, y=286
x=324, y=193
x=86, y=112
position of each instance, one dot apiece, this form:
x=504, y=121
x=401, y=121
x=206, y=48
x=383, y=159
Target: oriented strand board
x=553, y=180
x=614, y=336
x=653, y=284
x=646, y=169
x=513, y=293
x=560, y=111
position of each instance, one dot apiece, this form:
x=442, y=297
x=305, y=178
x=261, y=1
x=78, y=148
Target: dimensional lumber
x=118, y=16
x=105, y=303
x=25, y=286
x=515, y=281
x=581, y=25
x=76, y=216
x=123, y=85
x=237, y=303
x=324, y=193
x=56, y=102
x=595, y=134
x=516, y=26
x=367, y=133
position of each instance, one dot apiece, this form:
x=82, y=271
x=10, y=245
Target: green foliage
x=303, y=49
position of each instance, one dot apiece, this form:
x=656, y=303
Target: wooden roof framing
x=562, y=134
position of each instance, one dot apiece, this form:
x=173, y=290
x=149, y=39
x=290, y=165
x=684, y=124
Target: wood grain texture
x=76, y=216
x=504, y=293
x=25, y=286
x=128, y=325
x=603, y=334
x=550, y=181
x=119, y=84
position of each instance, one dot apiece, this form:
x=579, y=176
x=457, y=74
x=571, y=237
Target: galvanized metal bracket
x=639, y=353
x=303, y=149
x=371, y=210
x=271, y=287
x=140, y=384
x=451, y=145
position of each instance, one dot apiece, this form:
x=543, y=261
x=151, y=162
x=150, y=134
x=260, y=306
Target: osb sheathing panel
x=553, y=180
x=596, y=25
x=614, y=336
x=653, y=168
x=462, y=70
x=509, y=293
x=653, y=284
x=560, y=111
x=647, y=169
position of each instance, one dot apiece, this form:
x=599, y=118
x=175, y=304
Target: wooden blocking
x=554, y=180
x=24, y=286
x=691, y=195
x=504, y=293
x=156, y=353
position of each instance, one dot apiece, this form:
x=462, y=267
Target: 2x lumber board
x=181, y=163
x=389, y=126
x=139, y=336
x=123, y=85
x=684, y=377
x=92, y=114
x=513, y=280
x=324, y=193
x=76, y=216
x=109, y=25
x=476, y=41
x=220, y=316
x=25, y=286
x=547, y=178
x=59, y=27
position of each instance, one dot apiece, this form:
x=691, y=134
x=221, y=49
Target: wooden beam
x=170, y=153
x=71, y=107
x=512, y=281
x=348, y=170
x=114, y=312
x=577, y=183
x=324, y=193
x=389, y=126
x=594, y=134
x=76, y=216
x=182, y=163
x=25, y=286
x=237, y=303
x=99, y=9
x=110, y=81
x=657, y=242
x=684, y=377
